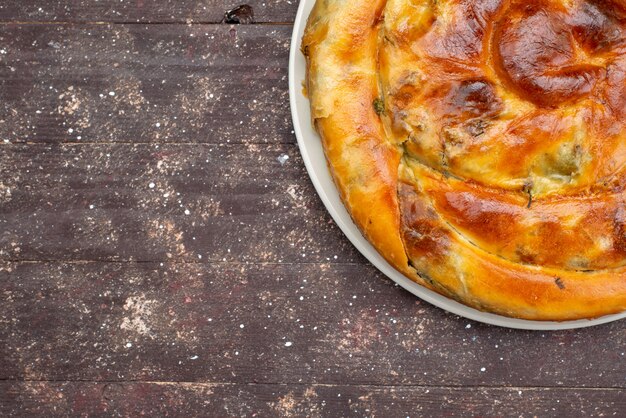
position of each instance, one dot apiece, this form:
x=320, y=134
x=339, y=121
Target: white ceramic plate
x=313, y=155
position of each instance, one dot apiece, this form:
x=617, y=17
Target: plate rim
x=308, y=138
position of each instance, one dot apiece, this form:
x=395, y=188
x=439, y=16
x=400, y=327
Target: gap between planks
x=180, y=262
x=320, y=385
x=132, y=22
x=182, y=144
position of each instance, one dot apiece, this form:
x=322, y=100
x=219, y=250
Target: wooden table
x=163, y=252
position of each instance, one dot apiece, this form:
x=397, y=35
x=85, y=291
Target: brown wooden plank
x=182, y=11
x=156, y=203
x=52, y=399
x=272, y=323
x=138, y=83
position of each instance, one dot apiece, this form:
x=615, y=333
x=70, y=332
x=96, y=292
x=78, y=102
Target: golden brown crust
x=481, y=146
x=363, y=165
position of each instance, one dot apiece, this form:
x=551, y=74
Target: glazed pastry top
x=481, y=145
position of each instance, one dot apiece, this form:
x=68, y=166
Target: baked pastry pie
x=480, y=145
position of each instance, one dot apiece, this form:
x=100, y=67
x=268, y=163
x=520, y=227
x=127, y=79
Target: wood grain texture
x=180, y=11
x=156, y=203
x=53, y=399
x=148, y=211
x=271, y=323
x=144, y=83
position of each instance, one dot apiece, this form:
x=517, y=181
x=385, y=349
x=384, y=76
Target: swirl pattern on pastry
x=481, y=145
